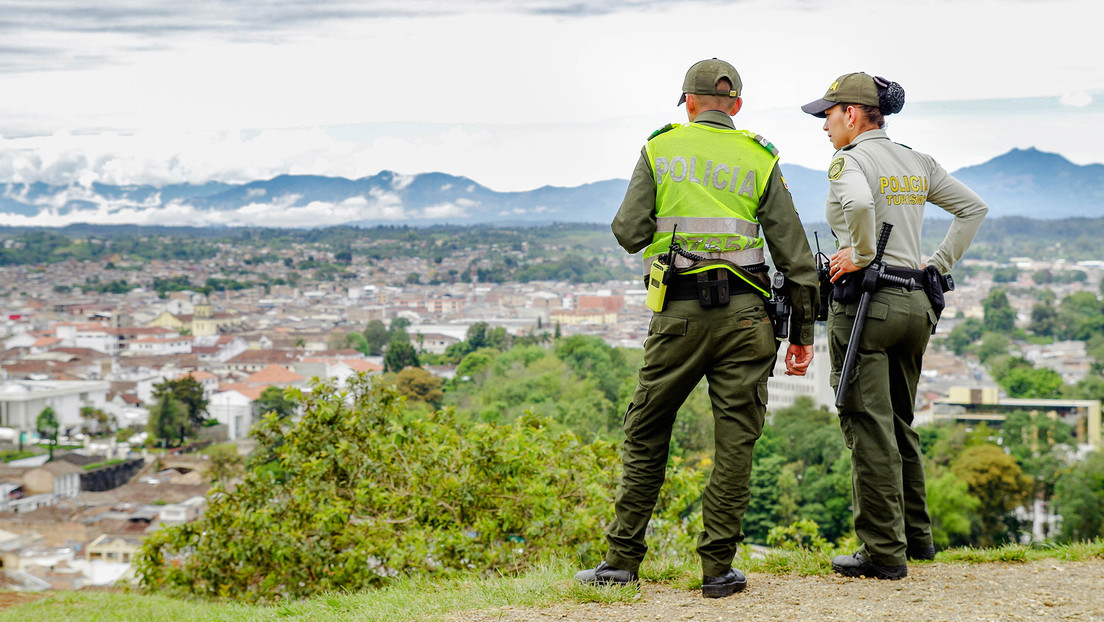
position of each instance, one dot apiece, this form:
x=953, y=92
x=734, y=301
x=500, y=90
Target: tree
x=952, y=510
x=591, y=357
x=992, y=344
x=274, y=400
x=481, y=335
x=1042, y=446
x=168, y=420
x=97, y=421
x=963, y=335
x=400, y=354
x=1044, y=320
x=189, y=392
x=806, y=474
x=994, y=478
x=398, y=328
x=1032, y=382
x=419, y=385
x=1079, y=500
x=375, y=338
x=47, y=425
x=999, y=316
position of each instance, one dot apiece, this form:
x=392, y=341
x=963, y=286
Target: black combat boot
x=604, y=573
x=923, y=553
x=729, y=583
x=859, y=566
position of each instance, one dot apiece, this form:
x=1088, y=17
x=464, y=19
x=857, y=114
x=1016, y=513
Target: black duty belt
x=686, y=286
x=917, y=277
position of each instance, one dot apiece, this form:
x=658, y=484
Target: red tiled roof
x=274, y=374
x=362, y=365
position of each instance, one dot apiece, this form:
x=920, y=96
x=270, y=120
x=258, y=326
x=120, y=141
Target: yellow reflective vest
x=708, y=183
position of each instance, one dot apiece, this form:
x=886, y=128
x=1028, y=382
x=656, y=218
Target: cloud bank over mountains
x=1024, y=182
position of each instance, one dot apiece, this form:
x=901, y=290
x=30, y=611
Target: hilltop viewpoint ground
x=1039, y=590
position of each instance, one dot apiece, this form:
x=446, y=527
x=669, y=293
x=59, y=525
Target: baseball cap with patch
x=702, y=78
x=852, y=88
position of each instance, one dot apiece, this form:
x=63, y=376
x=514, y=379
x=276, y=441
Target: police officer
x=873, y=180
x=716, y=185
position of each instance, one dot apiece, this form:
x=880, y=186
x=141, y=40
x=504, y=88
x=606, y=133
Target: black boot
x=604, y=573
x=858, y=566
x=729, y=583
x=924, y=553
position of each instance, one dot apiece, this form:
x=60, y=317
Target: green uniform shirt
x=875, y=180
x=634, y=227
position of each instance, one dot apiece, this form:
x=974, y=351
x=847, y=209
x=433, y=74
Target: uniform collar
x=715, y=117
x=869, y=135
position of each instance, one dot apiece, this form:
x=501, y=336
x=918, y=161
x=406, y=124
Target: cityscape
x=78, y=345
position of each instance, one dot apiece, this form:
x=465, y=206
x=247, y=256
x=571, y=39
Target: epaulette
x=665, y=128
x=768, y=145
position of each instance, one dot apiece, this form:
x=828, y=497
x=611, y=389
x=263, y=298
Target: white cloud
x=445, y=210
x=514, y=95
x=1076, y=99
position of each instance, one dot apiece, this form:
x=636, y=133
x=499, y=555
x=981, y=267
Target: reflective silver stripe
x=746, y=257
x=687, y=224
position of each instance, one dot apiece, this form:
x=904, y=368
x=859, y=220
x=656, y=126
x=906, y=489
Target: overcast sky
x=513, y=94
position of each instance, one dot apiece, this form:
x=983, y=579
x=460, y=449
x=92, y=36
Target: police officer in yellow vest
x=718, y=191
x=873, y=180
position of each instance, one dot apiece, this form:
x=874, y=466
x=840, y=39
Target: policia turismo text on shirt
x=712, y=187
x=874, y=182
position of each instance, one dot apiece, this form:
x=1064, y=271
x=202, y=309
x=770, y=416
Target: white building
x=160, y=346
x=234, y=409
x=21, y=401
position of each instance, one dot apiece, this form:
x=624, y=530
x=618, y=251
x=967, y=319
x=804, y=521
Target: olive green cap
x=853, y=88
x=702, y=78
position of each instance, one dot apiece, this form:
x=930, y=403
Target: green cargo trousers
x=887, y=468
x=734, y=348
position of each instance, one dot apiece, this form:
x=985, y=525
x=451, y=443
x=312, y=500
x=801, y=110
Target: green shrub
x=366, y=493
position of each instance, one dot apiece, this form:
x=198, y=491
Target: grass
x=428, y=600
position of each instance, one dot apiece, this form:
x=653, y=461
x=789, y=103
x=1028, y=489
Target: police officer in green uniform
x=873, y=180
x=712, y=187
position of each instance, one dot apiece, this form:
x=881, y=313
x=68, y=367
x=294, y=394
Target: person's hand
x=798, y=359
x=841, y=263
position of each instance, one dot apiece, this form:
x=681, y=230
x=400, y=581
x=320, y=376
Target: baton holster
x=713, y=292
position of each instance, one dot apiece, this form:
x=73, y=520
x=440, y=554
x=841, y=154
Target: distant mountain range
x=1024, y=182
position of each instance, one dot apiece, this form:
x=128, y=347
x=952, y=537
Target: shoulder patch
x=665, y=128
x=836, y=168
x=768, y=145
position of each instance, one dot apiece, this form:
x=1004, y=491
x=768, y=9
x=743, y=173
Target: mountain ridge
x=1021, y=182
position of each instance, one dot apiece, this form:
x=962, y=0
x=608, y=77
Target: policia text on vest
x=722, y=176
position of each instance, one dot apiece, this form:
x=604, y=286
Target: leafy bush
x=366, y=493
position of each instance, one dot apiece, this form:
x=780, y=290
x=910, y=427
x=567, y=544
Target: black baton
x=873, y=276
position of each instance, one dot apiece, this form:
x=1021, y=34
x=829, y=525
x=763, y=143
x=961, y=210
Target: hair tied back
x=891, y=96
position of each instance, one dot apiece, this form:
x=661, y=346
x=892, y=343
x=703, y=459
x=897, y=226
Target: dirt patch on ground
x=14, y=599
x=1046, y=590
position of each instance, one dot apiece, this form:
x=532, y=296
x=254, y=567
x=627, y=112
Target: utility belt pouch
x=848, y=288
x=657, y=285
x=713, y=292
x=935, y=284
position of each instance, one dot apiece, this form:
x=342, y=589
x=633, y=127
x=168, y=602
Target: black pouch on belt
x=848, y=288
x=713, y=292
x=934, y=286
